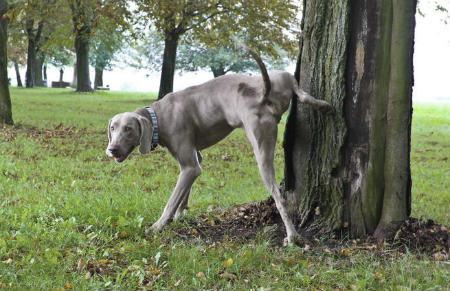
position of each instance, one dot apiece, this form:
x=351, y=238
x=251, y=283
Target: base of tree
x=246, y=221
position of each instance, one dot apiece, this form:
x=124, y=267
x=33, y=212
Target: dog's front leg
x=186, y=178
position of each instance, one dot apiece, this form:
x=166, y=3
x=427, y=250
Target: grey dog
x=195, y=118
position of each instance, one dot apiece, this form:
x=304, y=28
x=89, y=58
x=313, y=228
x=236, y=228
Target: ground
x=73, y=219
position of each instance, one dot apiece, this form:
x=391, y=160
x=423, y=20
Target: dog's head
x=125, y=132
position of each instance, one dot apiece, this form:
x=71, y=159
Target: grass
x=70, y=218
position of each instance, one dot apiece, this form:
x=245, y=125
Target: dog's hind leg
x=184, y=204
x=189, y=171
x=304, y=97
x=262, y=133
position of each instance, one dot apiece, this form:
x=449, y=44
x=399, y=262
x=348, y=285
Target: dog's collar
x=155, y=137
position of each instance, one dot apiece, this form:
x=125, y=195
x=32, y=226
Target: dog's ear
x=146, y=135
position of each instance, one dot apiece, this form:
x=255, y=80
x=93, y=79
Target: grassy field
x=71, y=218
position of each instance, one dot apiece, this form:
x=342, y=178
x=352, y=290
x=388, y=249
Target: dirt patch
x=247, y=221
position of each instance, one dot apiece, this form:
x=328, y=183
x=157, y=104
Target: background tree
x=192, y=57
x=213, y=23
x=5, y=100
x=85, y=18
x=17, y=52
x=220, y=60
x=105, y=45
x=353, y=169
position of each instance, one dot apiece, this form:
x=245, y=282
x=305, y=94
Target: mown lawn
x=71, y=218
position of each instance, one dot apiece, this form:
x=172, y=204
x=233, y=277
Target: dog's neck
x=144, y=112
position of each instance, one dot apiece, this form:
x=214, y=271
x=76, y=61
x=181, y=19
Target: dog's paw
x=325, y=107
x=293, y=240
x=179, y=214
x=154, y=228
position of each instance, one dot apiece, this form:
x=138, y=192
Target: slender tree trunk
x=31, y=55
x=45, y=73
x=61, y=75
x=5, y=99
x=98, y=82
x=74, y=78
x=19, y=80
x=168, y=66
x=351, y=170
x=38, y=69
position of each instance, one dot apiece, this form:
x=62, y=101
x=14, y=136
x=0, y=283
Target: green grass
x=66, y=208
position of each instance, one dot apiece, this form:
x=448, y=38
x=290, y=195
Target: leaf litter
x=247, y=221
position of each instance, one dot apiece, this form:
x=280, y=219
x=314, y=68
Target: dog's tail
x=262, y=67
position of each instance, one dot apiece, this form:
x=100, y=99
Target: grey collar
x=155, y=137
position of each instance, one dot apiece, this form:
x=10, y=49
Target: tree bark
x=351, y=170
x=31, y=54
x=82, y=52
x=168, y=66
x=5, y=99
x=38, y=69
x=74, y=79
x=98, y=81
x=82, y=24
x=19, y=80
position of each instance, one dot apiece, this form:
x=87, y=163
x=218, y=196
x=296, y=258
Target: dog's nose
x=113, y=150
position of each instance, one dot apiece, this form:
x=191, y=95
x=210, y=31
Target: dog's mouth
x=119, y=158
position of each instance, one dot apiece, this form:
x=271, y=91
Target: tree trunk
x=19, y=80
x=98, y=82
x=168, y=66
x=38, y=68
x=82, y=52
x=74, y=79
x=352, y=169
x=45, y=73
x=217, y=72
x=31, y=55
x=61, y=75
x=5, y=100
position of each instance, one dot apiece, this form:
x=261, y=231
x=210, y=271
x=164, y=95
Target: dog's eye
x=127, y=128
x=112, y=128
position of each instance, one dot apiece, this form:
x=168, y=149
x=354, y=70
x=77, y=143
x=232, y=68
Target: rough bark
x=98, y=80
x=352, y=169
x=168, y=66
x=5, y=99
x=34, y=36
x=74, y=78
x=82, y=24
x=311, y=153
x=82, y=52
x=38, y=69
x=19, y=79
x=31, y=54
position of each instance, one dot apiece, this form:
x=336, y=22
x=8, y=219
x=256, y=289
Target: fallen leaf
x=103, y=262
x=68, y=285
x=201, y=276
x=194, y=231
x=123, y=234
x=8, y=261
x=379, y=275
x=177, y=283
x=229, y=276
x=228, y=263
